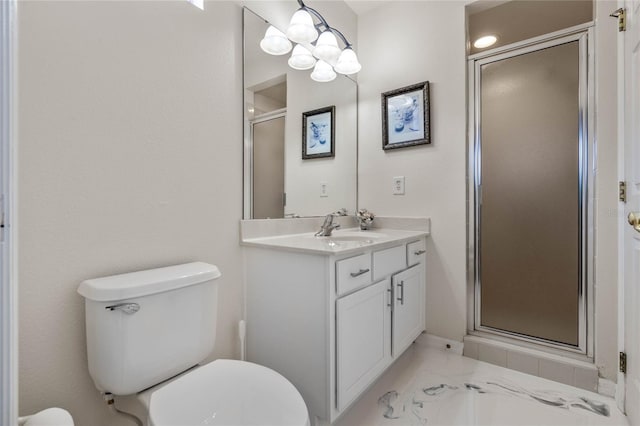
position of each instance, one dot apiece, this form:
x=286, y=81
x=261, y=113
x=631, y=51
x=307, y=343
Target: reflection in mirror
x=278, y=182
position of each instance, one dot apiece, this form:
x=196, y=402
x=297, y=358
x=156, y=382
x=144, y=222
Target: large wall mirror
x=278, y=181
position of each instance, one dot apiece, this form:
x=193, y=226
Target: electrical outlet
x=324, y=191
x=398, y=185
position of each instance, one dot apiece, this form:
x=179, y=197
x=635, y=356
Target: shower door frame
x=584, y=35
x=249, y=157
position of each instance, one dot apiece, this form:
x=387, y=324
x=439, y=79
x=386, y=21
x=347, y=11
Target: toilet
x=144, y=328
x=49, y=417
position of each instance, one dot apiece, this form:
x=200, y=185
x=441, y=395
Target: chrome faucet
x=327, y=226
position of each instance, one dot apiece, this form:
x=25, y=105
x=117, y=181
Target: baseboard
x=607, y=387
x=436, y=342
x=568, y=370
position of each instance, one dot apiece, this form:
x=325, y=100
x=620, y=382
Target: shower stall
x=529, y=191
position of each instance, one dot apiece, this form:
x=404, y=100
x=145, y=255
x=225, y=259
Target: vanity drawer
x=353, y=273
x=415, y=252
x=388, y=261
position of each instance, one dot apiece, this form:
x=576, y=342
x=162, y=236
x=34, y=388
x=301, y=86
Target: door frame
x=632, y=9
x=620, y=382
x=8, y=245
x=583, y=33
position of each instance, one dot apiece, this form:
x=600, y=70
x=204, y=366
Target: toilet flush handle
x=127, y=308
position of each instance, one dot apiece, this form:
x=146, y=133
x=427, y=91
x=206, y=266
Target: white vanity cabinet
x=363, y=344
x=332, y=323
x=408, y=307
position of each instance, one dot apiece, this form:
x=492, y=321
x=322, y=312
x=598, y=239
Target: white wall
x=130, y=157
x=403, y=43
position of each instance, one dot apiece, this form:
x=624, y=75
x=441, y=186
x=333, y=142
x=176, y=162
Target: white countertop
x=342, y=241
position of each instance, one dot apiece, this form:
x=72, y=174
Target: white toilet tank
x=145, y=327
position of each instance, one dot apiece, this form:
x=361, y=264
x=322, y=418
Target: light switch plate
x=398, y=185
x=324, y=191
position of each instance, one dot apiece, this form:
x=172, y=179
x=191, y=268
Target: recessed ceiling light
x=485, y=41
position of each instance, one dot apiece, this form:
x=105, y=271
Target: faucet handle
x=328, y=220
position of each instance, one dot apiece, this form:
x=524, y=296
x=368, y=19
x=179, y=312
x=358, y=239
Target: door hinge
x=622, y=18
x=623, y=362
x=622, y=191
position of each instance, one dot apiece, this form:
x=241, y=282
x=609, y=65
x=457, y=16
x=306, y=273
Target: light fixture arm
x=323, y=23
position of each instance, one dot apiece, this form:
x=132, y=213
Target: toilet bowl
x=49, y=417
x=228, y=392
x=146, y=328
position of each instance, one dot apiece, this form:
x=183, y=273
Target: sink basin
x=357, y=235
x=354, y=238
x=344, y=239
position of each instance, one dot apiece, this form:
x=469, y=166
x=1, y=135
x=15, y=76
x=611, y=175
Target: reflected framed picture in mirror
x=318, y=133
x=405, y=116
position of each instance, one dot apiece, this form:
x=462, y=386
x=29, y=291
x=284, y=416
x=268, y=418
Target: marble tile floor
x=431, y=387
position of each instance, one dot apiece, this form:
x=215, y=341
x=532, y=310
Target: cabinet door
x=408, y=307
x=363, y=341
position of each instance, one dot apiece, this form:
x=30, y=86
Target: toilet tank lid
x=144, y=283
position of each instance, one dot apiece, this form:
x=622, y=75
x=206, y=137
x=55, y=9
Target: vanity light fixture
x=485, y=41
x=275, y=42
x=323, y=72
x=301, y=58
x=322, y=53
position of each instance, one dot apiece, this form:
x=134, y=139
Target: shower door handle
x=634, y=220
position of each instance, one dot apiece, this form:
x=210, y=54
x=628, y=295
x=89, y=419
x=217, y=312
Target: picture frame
x=406, y=117
x=318, y=133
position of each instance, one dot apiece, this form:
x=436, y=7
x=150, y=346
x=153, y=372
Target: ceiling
x=360, y=7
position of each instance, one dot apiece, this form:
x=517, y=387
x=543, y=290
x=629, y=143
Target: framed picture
x=318, y=133
x=405, y=117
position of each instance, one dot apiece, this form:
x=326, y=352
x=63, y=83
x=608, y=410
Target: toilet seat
x=228, y=392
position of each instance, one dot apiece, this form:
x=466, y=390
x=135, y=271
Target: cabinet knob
x=419, y=252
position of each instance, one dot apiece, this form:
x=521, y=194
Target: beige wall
x=403, y=43
x=130, y=157
x=519, y=20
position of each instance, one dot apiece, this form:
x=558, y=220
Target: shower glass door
x=530, y=193
x=267, y=185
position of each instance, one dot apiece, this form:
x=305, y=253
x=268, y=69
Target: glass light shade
x=327, y=47
x=301, y=28
x=301, y=58
x=348, y=62
x=275, y=42
x=323, y=72
x=485, y=41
